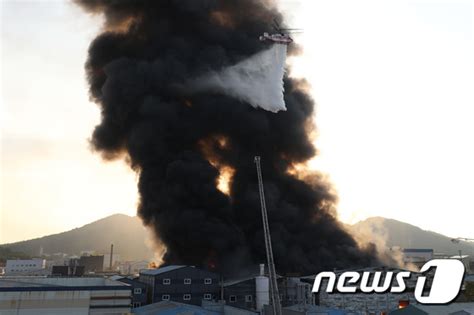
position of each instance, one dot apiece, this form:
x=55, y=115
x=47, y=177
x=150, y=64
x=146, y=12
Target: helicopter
x=281, y=37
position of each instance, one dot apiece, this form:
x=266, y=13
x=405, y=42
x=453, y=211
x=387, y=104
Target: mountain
x=130, y=238
x=396, y=233
x=126, y=233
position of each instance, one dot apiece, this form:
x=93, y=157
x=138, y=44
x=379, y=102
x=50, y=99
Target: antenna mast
x=274, y=295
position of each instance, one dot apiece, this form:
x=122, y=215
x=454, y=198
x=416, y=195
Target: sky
x=392, y=81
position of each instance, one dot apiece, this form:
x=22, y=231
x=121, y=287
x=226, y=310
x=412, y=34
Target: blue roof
x=309, y=309
x=172, y=308
x=157, y=271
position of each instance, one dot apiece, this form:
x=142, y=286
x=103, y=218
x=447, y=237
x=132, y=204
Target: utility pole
x=274, y=295
x=111, y=256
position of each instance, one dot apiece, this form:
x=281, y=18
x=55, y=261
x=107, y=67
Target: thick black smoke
x=178, y=143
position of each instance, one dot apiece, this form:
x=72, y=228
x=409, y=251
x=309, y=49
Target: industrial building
x=25, y=267
x=91, y=263
x=66, y=271
x=253, y=292
x=139, y=290
x=132, y=267
x=302, y=309
x=417, y=256
x=76, y=296
x=369, y=302
x=450, y=309
x=207, y=308
x=185, y=284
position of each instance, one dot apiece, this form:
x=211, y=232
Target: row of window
x=207, y=296
x=186, y=297
x=26, y=265
x=167, y=281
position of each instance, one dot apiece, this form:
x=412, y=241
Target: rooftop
x=418, y=250
x=157, y=271
x=172, y=308
x=448, y=309
x=59, y=283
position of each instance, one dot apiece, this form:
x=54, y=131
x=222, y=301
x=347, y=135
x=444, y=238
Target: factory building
x=417, y=256
x=370, y=302
x=242, y=293
x=91, y=263
x=41, y=295
x=175, y=308
x=25, y=267
x=115, y=261
x=133, y=267
x=184, y=284
x=253, y=292
x=66, y=271
x=139, y=290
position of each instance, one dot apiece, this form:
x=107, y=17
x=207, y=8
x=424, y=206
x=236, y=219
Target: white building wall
x=63, y=301
x=44, y=302
x=363, y=302
x=24, y=266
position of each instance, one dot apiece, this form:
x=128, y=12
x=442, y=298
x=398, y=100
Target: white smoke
x=257, y=80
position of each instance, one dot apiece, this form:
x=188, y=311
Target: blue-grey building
x=139, y=290
x=185, y=284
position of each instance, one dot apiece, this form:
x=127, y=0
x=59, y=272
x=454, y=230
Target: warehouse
x=78, y=296
x=185, y=284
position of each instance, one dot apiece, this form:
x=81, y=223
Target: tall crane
x=274, y=295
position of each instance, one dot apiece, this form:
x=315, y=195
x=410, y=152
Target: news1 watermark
x=444, y=288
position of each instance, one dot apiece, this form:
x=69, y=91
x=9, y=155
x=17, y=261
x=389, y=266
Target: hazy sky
x=393, y=82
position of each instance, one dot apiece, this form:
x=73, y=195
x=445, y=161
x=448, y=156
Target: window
x=207, y=296
x=187, y=297
x=232, y=298
x=187, y=281
x=137, y=291
x=248, y=298
x=166, y=281
x=207, y=281
x=165, y=297
x=136, y=304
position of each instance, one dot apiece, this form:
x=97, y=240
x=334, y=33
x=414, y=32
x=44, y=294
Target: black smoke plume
x=179, y=142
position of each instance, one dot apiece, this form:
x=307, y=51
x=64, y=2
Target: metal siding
x=240, y=290
x=177, y=288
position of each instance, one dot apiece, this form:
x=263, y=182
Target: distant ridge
x=126, y=233
x=397, y=233
x=129, y=238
